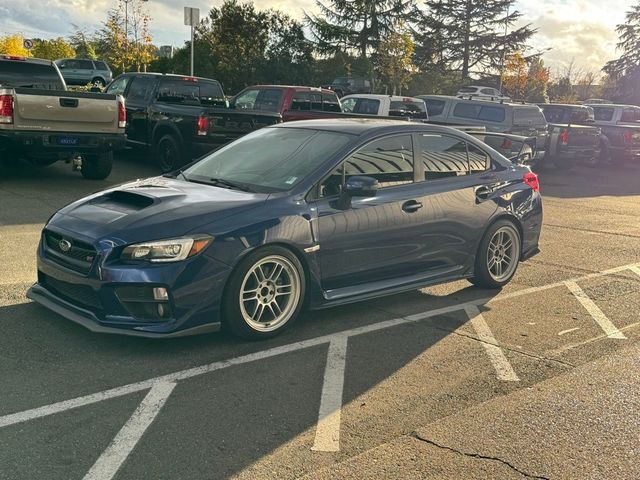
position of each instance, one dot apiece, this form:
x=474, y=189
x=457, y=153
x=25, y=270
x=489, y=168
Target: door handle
x=411, y=206
x=484, y=192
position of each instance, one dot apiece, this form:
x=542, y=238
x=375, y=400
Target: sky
x=582, y=31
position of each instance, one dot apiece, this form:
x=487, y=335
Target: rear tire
x=264, y=294
x=168, y=153
x=98, y=82
x=498, y=256
x=97, y=166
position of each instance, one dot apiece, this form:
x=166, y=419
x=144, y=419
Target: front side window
x=349, y=104
x=247, y=99
x=270, y=159
x=443, y=156
x=301, y=102
x=118, y=86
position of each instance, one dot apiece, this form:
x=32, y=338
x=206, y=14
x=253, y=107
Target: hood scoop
x=123, y=201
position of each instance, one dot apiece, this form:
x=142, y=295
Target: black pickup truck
x=180, y=117
x=573, y=137
x=620, y=126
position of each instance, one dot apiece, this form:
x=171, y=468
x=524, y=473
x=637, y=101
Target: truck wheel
x=168, y=153
x=97, y=166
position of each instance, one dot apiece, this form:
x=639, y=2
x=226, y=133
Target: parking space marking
x=39, y=412
x=328, y=427
x=504, y=370
x=564, y=332
x=635, y=270
x=598, y=315
x=125, y=441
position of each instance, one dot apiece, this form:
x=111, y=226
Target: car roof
x=361, y=126
x=393, y=98
x=541, y=105
x=484, y=101
x=293, y=87
x=168, y=75
x=610, y=105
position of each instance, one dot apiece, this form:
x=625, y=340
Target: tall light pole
x=191, y=18
x=126, y=25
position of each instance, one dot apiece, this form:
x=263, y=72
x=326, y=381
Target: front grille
x=79, y=256
x=80, y=295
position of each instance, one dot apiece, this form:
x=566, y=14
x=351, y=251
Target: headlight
x=173, y=250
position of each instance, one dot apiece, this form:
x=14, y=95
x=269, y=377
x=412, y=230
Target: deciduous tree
x=53, y=49
x=13, y=45
x=395, y=61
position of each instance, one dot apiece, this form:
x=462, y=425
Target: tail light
x=628, y=137
x=531, y=179
x=122, y=113
x=564, y=137
x=202, y=126
x=6, y=109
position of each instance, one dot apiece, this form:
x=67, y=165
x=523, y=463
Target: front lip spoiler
x=41, y=296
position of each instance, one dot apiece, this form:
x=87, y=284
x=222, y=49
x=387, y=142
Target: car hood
x=150, y=209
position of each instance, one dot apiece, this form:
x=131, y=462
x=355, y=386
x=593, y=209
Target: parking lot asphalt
x=342, y=383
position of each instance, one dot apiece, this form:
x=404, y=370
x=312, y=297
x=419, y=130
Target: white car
x=480, y=92
x=385, y=106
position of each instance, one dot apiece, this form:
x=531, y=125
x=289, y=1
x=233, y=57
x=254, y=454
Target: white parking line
x=598, y=315
x=125, y=441
x=328, y=428
x=564, y=332
x=635, y=270
x=503, y=368
x=39, y=412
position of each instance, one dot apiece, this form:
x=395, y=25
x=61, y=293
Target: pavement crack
x=417, y=436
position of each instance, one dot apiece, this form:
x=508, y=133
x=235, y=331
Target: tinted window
x=603, y=114
x=269, y=100
x=492, y=114
x=178, y=91
x=580, y=115
x=118, y=86
x=467, y=110
x=488, y=91
x=141, y=90
x=301, y=101
x=70, y=64
x=101, y=66
x=316, y=101
x=211, y=94
x=389, y=160
x=479, y=161
x=435, y=107
x=408, y=108
x=85, y=64
x=553, y=114
x=273, y=159
x=443, y=156
x=29, y=75
x=528, y=116
x=246, y=99
x=367, y=106
x=630, y=115
x=330, y=103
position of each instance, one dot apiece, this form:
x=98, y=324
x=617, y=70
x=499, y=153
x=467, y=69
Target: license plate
x=67, y=140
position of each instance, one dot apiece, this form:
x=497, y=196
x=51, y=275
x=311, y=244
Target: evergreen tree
x=468, y=35
x=624, y=72
x=355, y=25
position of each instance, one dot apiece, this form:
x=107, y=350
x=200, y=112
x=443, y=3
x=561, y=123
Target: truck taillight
x=6, y=109
x=122, y=113
x=564, y=137
x=203, y=126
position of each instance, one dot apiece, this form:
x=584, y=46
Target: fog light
x=161, y=294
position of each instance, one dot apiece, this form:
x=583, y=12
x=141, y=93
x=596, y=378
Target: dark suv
x=79, y=71
x=349, y=85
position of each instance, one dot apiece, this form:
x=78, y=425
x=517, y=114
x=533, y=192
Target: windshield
x=269, y=160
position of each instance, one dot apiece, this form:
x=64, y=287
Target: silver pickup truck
x=44, y=123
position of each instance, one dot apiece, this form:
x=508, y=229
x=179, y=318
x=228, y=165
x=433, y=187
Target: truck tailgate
x=233, y=124
x=583, y=136
x=58, y=111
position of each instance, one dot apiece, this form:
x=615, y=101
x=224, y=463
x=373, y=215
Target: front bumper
x=94, y=299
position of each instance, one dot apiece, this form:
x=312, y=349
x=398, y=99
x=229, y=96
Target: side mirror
x=360, y=186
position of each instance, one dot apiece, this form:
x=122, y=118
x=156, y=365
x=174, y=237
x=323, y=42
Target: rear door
x=139, y=96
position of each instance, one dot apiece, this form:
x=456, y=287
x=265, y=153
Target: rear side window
x=630, y=115
x=29, y=75
x=476, y=111
x=211, y=94
x=528, y=116
x=479, y=160
x=178, y=91
x=603, y=114
x=101, y=66
x=85, y=64
x=553, y=114
x=301, y=102
x=118, y=86
x=408, y=108
x=580, y=115
x=443, y=156
x=269, y=100
x=330, y=103
x=435, y=107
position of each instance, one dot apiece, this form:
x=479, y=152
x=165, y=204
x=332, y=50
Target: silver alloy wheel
x=503, y=254
x=270, y=293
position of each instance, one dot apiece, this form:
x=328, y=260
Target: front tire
x=265, y=294
x=498, y=256
x=97, y=166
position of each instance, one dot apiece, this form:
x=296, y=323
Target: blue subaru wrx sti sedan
x=319, y=213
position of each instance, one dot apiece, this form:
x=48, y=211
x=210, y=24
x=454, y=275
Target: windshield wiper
x=229, y=184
